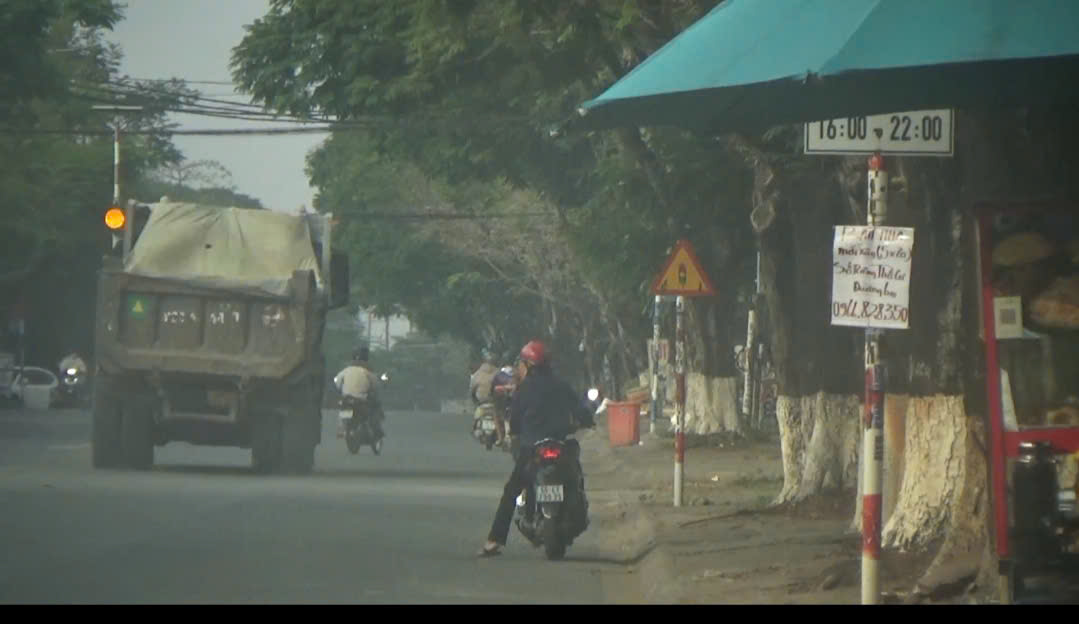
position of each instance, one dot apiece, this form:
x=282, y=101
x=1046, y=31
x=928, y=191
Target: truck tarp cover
x=231, y=248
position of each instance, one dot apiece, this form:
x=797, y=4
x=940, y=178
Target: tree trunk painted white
x=943, y=485
x=896, y=407
x=819, y=436
x=710, y=404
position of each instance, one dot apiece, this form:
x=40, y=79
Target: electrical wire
x=177, y=132
x=198, y=105
x=251, y=108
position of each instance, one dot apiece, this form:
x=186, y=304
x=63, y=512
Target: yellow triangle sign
x=137, y=309
x=683, y=275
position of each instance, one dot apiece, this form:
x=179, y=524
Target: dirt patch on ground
x=728, y=543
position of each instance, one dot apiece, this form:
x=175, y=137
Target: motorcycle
x=557, y=496
x=360, y=430
x=484, y=428
x=73, y=388
x=592, y=400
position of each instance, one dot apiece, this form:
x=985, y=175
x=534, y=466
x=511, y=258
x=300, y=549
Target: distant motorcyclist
x=502, y=387
x=73, y=361
x=543, y=407
x=480, y=386
x=357, y=381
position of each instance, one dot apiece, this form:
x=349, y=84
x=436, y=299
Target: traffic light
x=116, y=221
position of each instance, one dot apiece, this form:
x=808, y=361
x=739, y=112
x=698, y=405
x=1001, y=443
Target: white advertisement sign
x=871, y=276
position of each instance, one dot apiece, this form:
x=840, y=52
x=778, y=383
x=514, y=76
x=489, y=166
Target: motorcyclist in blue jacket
x=542, y=407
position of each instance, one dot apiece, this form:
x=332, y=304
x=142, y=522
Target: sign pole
x=748, y=387
x=682, y=276
x=871, y=278
x=655, y=370
x=873, y=443
x=680, y=398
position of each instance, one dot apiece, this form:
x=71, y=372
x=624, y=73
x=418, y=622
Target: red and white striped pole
x=873, y=442
x=680, y=398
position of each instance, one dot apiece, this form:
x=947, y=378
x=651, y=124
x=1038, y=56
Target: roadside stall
x=1029, y=277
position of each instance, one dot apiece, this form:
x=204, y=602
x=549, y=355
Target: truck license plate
x=549, y=493
x=220, y=398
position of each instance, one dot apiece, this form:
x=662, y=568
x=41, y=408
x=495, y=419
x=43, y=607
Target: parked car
x=35, y=387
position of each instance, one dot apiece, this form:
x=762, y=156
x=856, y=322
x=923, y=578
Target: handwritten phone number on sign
x=867, y=310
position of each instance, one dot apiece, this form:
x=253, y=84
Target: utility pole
x=129, y=211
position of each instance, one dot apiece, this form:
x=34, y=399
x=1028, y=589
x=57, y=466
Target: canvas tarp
x=216, y=247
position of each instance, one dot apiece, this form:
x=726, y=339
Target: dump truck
x=209, y=331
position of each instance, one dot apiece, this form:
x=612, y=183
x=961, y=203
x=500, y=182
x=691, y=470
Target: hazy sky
x=193, y=39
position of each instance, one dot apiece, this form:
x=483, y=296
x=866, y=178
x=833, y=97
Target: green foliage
x=457, y=100
x=56, y=162
x=31, y=61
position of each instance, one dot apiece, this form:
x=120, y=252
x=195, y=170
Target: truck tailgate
x=155, y=325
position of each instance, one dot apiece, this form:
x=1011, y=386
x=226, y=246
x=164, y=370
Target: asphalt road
x=400, y=528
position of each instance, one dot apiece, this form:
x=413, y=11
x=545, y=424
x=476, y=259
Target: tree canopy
x=446, y=109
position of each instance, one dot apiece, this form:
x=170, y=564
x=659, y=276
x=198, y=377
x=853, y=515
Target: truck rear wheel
x=297, y=447
x=300, y=429
x=266, y=442
x=137, y=427
x=106, y=441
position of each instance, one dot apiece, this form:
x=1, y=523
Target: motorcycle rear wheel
x=553, y=545
x=352, y=443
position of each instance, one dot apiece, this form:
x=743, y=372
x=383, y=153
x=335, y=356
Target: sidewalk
x=725, y=545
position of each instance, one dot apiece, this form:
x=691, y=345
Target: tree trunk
x=710, y=404
x=938, y=457
x=819, y=437
x=942, y=489
x=711, y=385
x=817, y=366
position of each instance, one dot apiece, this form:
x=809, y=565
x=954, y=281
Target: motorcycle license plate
x=488, y=425
x=549, y=493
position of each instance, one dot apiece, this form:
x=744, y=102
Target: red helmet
x=534, y=352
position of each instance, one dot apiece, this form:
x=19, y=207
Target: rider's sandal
x=489, y=552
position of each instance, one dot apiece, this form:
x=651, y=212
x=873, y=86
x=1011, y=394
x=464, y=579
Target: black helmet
x=361, y=353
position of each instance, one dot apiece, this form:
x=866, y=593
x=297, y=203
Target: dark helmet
x=361, y=353
x=534, y=353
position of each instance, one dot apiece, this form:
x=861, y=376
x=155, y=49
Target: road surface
x=398, y=528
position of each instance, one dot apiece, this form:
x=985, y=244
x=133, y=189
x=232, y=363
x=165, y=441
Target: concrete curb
x=655, y=564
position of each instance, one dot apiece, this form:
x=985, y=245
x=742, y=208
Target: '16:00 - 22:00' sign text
x=916, y=132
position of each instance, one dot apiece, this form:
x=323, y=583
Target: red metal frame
x=1005, y=444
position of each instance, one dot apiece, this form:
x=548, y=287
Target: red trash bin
x=624, y=423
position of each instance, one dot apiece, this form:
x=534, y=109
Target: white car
x=36, y=387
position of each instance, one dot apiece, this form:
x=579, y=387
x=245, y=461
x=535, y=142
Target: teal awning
x=756, y=63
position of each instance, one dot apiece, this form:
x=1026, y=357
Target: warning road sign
x=683, y=275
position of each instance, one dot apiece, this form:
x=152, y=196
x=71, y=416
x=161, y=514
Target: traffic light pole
x=129, y=210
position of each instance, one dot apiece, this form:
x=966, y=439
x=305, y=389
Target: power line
x=125, y=89
x=208, y=82
x=230, y=111
x=194, y=132
x=249, y=108
x=435, y=216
